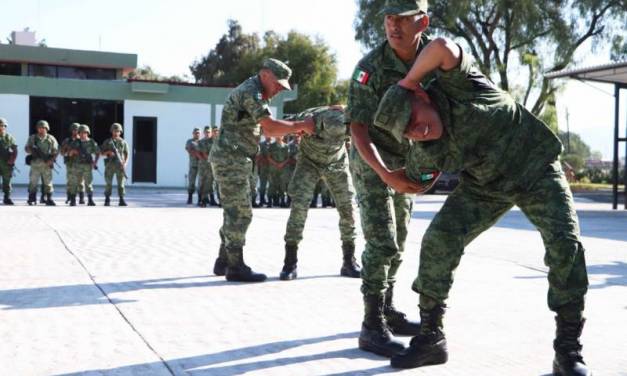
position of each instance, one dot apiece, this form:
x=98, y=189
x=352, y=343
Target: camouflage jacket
x=374, y=74
x=204, y=146
x=327, y=145
x=487, y=135
x=65, y=149
x=45, y=148
x=86, y=150
x=120, y=144
x=192, y=144
x=278, y=153
x=7, y=147
x=240, y=130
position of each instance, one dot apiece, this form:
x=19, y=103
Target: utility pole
x=567, y=132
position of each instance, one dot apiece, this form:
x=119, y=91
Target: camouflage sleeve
x=54, y=146
x=331, y=125
x=253, y=103
x=29, y=143
x=362, y=99
x=125, y=152
x=95, y=148
x=464, y=81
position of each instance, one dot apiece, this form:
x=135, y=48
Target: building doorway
x=144, y=149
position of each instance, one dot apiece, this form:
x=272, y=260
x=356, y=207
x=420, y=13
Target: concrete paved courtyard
x=130, y=291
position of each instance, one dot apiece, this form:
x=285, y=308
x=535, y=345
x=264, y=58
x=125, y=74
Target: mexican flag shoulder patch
x=361, y=76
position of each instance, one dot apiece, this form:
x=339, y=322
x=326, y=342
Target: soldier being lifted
x=8, y=155
x=115, y=150
x=85, y=152
x=42, y=149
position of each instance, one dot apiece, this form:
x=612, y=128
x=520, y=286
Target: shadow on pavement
x=616, y=275
x=202, y=365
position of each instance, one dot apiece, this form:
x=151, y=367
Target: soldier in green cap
x=115, y=151
x=42, y=149
x=278, y=158
x=322, y=155
x=204, y=169
x=8, y=155
x=461, y=122
x=245, y=114
x=385, y=213
x=192, y=173
x=85, y=154
x=70, y=162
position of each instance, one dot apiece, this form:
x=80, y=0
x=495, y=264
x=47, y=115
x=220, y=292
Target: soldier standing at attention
x=278, y=158
x=384, y=213
x=322, y=155
x=505, y=156
x=190, y=146
x=115, y=151
x=8, y=155
x=42, y=149
x=263, y=167
x=69, y=162
x=245, y=113
x=204, y=169
x=85, y=152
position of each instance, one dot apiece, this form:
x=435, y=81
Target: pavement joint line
x=103, y=292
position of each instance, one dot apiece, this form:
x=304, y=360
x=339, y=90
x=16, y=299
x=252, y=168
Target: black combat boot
x=107, y=200
x=282, y=202
x=253, y=201
x=219, y=267
x=568, y=360
x=67, y=198
x=7, y=199
x=429, y=346
x=397, y=321
x=199, y=199
x=262, y=200
x=269, y=202
x=288, y=201
x=122, y=202
x=350, y=267
x=375, y=335
x=289, y=271
x=90, y=200
x=237, y=270
x=189, y=197
x=314, y=201
x=49, y=201
x=42, y=199
x=212, y=201
x=81, y=198
x=72, y=200
x=32, y=198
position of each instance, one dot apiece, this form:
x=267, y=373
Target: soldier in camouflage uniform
x=8, y=155
x=70, y=162
x=204, y=170
x=85, y=154
x=43, y=149
x=245, y=113
x=384, y=213
x=293, y=148
x=115, y=151
x=464, y=124
x=322, y=156
x=263, y=169
x=278, y=157
x=191, y=146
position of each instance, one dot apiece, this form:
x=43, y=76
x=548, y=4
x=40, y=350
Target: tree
x=543, y=36
x=238, y=56
x=573, y=144
x=147, y=73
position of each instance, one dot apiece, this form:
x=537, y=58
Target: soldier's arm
x=440, y=54
x=279, y=128
x=13, y=153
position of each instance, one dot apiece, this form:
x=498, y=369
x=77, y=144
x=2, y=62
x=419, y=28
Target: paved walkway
x=129, y=291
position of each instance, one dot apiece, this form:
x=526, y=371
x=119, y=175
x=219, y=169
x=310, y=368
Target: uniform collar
x=393, y=62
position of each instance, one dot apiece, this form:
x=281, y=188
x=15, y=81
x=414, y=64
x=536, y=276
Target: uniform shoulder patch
x=361, y=76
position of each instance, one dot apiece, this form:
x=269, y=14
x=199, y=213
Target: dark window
x=71, y=72
x=40, y=70
x=54, y=71
x=11, y=69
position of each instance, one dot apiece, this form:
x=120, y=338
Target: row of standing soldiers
x=272, y=172
x=80, y=155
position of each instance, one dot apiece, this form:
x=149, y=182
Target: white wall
x=15, y=108
x=175, y=122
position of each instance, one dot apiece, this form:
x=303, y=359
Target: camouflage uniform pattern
x=192, y=173
x=384, y=213
x=82, y=170
x=506, y=157
x=70, y=163
x=263, y=169
x=113, y=167
x=205, y=174
x=39, y=169
x=7, y=147
x=278, y=182
x=232, y=157
x=322, y=156
x=292, y=152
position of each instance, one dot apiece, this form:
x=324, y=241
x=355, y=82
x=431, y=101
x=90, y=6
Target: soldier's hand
x=398, y=180
x=308, y=126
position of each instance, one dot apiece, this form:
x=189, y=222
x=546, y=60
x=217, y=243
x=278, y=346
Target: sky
x=169, y=35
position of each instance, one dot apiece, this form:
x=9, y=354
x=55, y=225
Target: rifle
x=87, y=157
x=118, y=157
x=36, y=153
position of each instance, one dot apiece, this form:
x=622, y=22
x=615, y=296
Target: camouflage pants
x=40, y=170
x=472, y=209
x=278, y=183
x=81, y=173
x=6, y=174
x=233, y=177
x=69, y=172
x=205, y=179
x=253, y=181
x=263, y=180
x=303, y=183
x=192, y=175
x=112, y=170
x=385, y=215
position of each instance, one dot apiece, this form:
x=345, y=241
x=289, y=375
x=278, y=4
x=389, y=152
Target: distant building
x=64, y=86
x=605, y=166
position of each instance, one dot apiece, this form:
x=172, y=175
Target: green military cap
x=394, y=111
x=207, y=128
x=3, y=122
x=196, y=130
x=84, y=128
x=214, y=127
x=280, y=70
x=74, y=127
x=116, y=127
x=404, y=7
x=43, y=124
